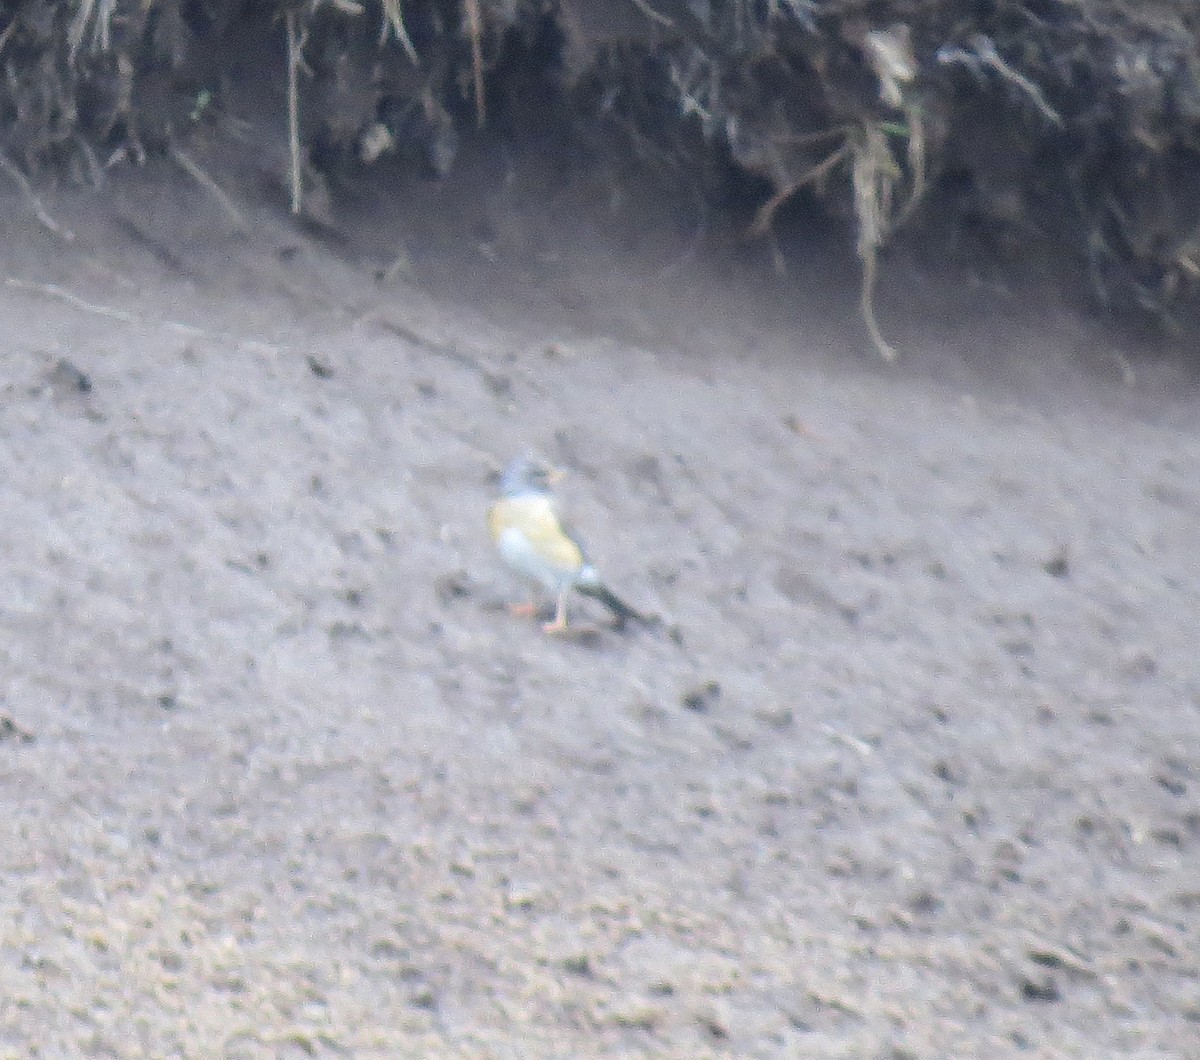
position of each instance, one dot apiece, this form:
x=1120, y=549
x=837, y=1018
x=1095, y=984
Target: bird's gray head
x=526, y=474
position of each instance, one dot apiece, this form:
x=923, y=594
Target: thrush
x=535, y=542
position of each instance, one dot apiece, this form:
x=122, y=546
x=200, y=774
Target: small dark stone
x=10, y=730
x=703, y=697
x=924, y=903
x=1058, y=566
x=66, y=378
x=497, y=384
x=1168, y=837
x=320, y=369
x=424, y=999
x=346, y=631
x=453, y=586
x=579, y=965
x=1045, y=990
x=1140, y=665
x=1170, y=784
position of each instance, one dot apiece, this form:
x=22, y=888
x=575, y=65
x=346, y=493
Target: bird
x=534, y=541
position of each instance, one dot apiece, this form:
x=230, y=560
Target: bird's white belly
x=517, y=551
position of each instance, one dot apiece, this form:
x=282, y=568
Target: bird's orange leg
x=526, y=610
x=559, y=624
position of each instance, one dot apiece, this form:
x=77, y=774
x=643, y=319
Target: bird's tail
x=622, y=612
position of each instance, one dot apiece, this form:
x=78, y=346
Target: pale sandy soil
x=911, y=768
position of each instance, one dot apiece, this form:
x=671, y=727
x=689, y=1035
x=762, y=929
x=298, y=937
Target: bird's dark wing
x=622, y=612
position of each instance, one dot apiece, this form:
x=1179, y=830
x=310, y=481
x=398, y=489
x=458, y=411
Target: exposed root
x=653, y=15
x=101, y=40
x=124, y=316
x=35, y=203
x=766, y=213
x=193, y=170
x=876, y=179
x=982, y=54
x=293, y=50
x=874, y=174
x=393, y=18
x=475, y=28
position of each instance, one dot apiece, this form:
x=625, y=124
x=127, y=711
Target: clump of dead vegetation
x=1040, y=124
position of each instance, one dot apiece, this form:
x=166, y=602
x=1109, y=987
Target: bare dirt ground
x=910, y=769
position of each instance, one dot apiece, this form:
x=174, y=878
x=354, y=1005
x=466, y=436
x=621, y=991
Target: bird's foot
x=525, y=610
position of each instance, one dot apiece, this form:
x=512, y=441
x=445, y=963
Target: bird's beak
x=555, y=475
